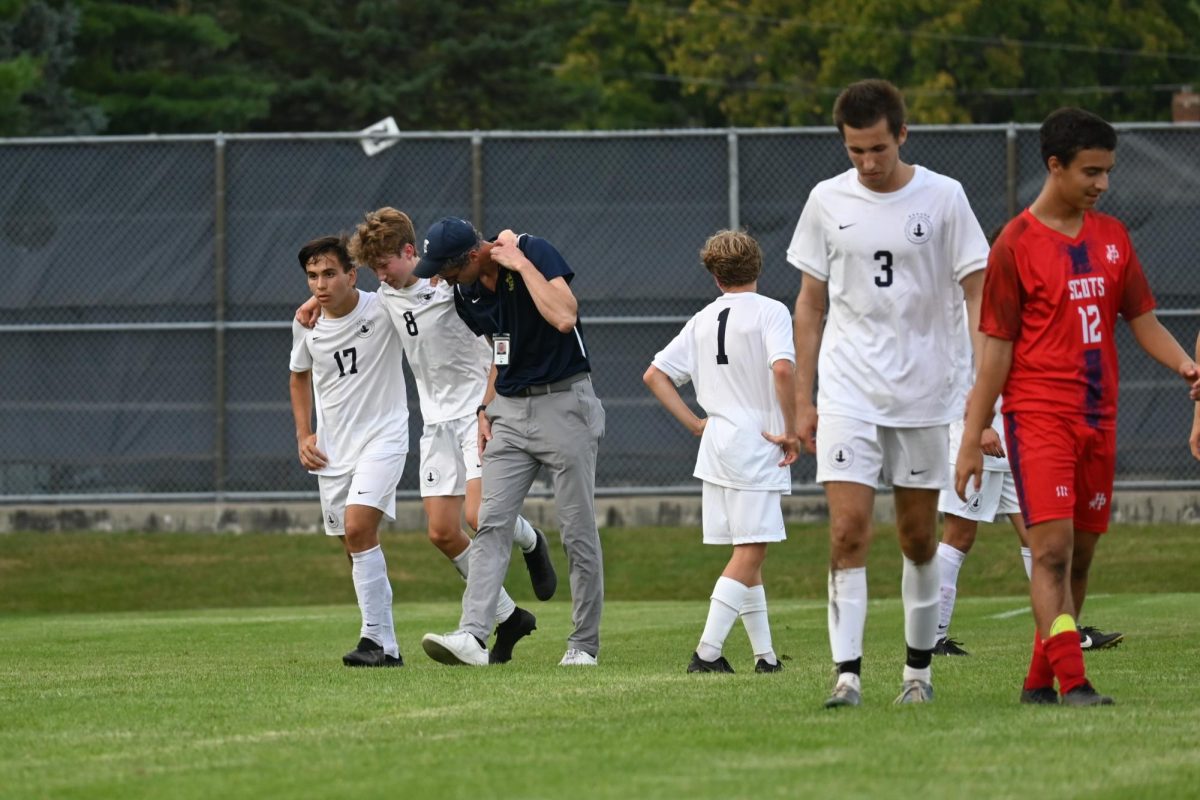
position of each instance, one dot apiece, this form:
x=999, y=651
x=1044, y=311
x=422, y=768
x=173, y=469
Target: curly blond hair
x=733, y=257
x=381, y=235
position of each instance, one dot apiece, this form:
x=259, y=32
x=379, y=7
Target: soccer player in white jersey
x=348, y=362
x=890, y=248
x=450, y=365
x=738, y=352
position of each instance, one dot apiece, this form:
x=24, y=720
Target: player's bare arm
x=808, y=322
x=308, y=313
x=1160, y=345
x=989, y=443
x=783, y=372
x=663, y=389
x=972, y=286
x=300, y=389
x=994, y=365
x=1194, y=439
x=554, y=299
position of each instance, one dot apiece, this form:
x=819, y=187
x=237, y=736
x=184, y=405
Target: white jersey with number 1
x=449, y=362
x=892, y=352
x=727, y=350
x=358, y=384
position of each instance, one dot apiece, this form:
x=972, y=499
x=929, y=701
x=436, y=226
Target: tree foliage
x=36, y=52
x=74, y=66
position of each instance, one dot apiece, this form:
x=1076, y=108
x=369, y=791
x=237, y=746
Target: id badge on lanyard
x=500, y=344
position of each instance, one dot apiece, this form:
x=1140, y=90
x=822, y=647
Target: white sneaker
x=455, y=648
x=577, y=658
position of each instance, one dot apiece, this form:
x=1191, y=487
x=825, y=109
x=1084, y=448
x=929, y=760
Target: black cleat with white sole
x=369, y=653
x=519, y=625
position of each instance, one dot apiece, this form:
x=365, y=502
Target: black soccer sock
x=854, y=666
x=918, y=659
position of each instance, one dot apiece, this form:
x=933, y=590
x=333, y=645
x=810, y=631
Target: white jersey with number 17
x=892, y=352
x=358, y=383
x=727, y=350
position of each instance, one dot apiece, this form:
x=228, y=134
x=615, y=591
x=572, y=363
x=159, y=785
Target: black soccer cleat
x=946, y=646
x=1042, y=696
x=1086, y=695
x=1094, y=639
x=762, y=667
x=541, y=569
x=369, y=653
x=519, y=625
x=698, y=664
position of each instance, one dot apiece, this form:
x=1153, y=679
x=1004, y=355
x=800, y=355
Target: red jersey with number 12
x=1057, y=300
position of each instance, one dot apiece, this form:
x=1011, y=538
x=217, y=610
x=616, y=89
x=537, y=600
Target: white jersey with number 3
x=727, y=350
x=449, y=363
x=358, y=383
x=892, y=352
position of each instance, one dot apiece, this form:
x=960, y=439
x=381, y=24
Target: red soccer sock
x=1066, y=658
x=1041, y=674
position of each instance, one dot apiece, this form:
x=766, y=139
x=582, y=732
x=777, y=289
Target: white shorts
x=997, y=495
x=372, y=483
x=862, y=452
x=450, y=457
x=741, y=516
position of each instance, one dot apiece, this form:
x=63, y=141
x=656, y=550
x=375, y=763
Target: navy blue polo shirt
x=538, y=352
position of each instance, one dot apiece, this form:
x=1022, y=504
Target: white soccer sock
x=1027, y=557
x=374, y=593
x=727, y=599
x=754, y=618
x=524, y=536
x=847, y=613
x=504, y=605
x=919, y=590
x=949, y=560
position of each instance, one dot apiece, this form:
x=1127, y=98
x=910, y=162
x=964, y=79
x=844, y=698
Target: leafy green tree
x=432, y=65
x=36, y=50
x=161, y=67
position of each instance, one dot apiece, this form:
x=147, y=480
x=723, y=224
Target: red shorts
x=1063, y=468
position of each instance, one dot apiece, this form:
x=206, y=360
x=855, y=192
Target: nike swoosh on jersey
x=917, y=471
x=843, y=227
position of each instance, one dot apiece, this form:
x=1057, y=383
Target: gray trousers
x=560, y=431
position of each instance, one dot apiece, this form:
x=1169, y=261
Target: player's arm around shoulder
x=553, y=296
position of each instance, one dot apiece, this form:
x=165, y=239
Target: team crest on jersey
x=365, y=328
x=1112, y=253
x=424, y=297
x=918, y=228
x=431, y=476
x=841, y=456
x=509, y=282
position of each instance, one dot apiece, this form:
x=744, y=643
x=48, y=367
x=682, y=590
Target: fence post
x=1010, y=172
x=219, y=281
x=735, y=209
x=477, y=181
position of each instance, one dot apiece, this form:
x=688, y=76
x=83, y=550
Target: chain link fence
x=145, y=330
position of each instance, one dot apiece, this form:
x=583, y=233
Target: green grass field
x=208, y=666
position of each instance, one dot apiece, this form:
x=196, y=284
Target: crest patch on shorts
x=331, y=520
x=975, y=501
x=841, y=456
x=431, y=476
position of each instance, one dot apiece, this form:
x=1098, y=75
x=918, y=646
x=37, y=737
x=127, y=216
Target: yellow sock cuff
x=1062, y=623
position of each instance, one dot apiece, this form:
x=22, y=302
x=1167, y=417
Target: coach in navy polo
x=539, y=409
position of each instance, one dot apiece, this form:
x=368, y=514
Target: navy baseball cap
x=446, y=239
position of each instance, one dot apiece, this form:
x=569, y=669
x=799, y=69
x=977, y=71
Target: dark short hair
x=1068, y=130
x=862, y=104
x=335, y=245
